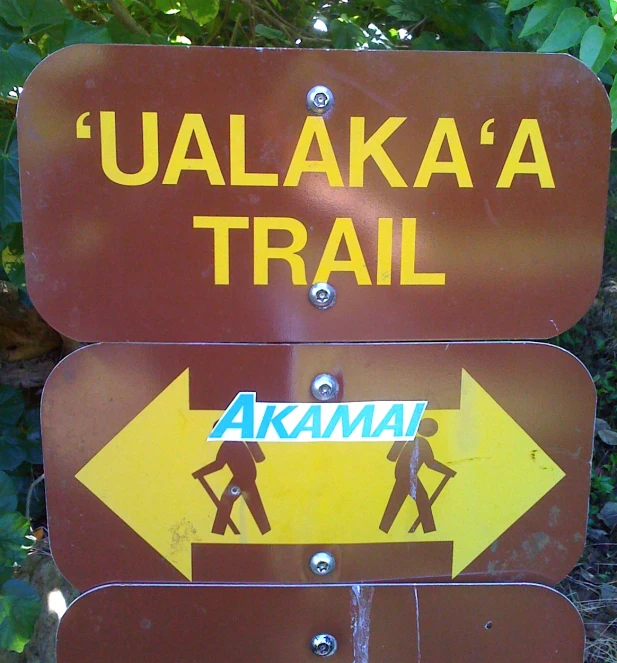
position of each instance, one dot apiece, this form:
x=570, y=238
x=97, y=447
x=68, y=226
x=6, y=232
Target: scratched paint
x=413, y=471
x=361, y=601
x=415, y=594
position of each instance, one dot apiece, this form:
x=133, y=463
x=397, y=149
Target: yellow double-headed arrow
x=319, y=492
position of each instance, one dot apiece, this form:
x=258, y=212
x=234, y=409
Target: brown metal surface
x=389, y=624
x=93, y=398
x=114, y=262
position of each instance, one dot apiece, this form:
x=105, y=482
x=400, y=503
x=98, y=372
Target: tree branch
x=123, y=15
x=33, y=485
x=70, y=6
x=266, y=16
x=216, y=33
x=236, y=29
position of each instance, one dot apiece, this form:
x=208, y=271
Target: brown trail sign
x=328, y=196
x=385, y=623
x=443, y=195
x=214, y=463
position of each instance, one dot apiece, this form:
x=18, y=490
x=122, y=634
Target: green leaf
x=613, y=99
x=611, y=67
x=8, y=493
x=541, y=15
x=8, y=130
x=12, y=236
x=20, y=607
x=14, y=266
x=120, y=34
x=159, y=39
x=346, y=34
x=10, y=205
x=405, y=10
x=377, y=39
x=9, y=35
x=597, y=47
x=12, y=405
x=167, y=5
x=202, y=11
x=513, y=5
x=568, y=32
x=5, y=574
x=80, y=32
x=188, y=27
x=606, y=18
x=32, y=444
x=12, y=254
x=427, y=41
x=28, y=13
x=269, y=33
x=13, y=451
x=15, y=65
x=27, y=54
x=14, y=544
x=491, y=25
x=23, y=479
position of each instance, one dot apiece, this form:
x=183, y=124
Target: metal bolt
x=319, y=99
x=322, y=296
x=323, y=644
x=322, y=563
x=324, y=387
x=235, y=491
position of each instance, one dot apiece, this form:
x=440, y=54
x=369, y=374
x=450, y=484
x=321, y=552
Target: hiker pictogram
x=409, y=457
x=242, y=459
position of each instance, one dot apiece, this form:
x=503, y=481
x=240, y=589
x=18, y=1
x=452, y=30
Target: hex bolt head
x=322, y=296
x=323, y=644
x=319, y=99
x=322, y=563
x=324, y=387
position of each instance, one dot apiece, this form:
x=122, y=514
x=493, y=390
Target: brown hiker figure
x=241, y=458
x=409, y=456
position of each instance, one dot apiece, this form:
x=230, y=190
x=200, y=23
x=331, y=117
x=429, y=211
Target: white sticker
x=246, y=419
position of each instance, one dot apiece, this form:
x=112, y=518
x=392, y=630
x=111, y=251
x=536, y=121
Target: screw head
x=323, y=644
x=235, y=491
x=322, y=296
x=319, y=99
x=324, y=387
x=322, y=563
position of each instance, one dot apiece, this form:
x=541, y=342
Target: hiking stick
x=431, y=501
x=217, y=503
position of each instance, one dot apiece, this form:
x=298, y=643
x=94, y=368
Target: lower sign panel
x=383, y=623
x=433, y=462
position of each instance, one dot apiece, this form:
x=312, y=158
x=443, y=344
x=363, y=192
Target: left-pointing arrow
x=144, y=474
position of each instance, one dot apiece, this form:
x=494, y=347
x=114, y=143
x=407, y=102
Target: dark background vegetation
x=32, y=29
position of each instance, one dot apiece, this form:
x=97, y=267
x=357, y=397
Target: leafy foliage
x=19, y=609
x=20, y=449
x=30, y=30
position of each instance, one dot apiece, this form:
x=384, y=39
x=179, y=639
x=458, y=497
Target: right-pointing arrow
x=501, y=474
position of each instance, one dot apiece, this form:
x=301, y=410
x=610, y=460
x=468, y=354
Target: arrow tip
x=144, y=475
x=504, y=471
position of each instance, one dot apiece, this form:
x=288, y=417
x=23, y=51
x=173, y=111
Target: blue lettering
x=365, y=416
x=270, y=419
x=396, y=413
x=313, y=415
x=243, y=406
x=414, y=422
